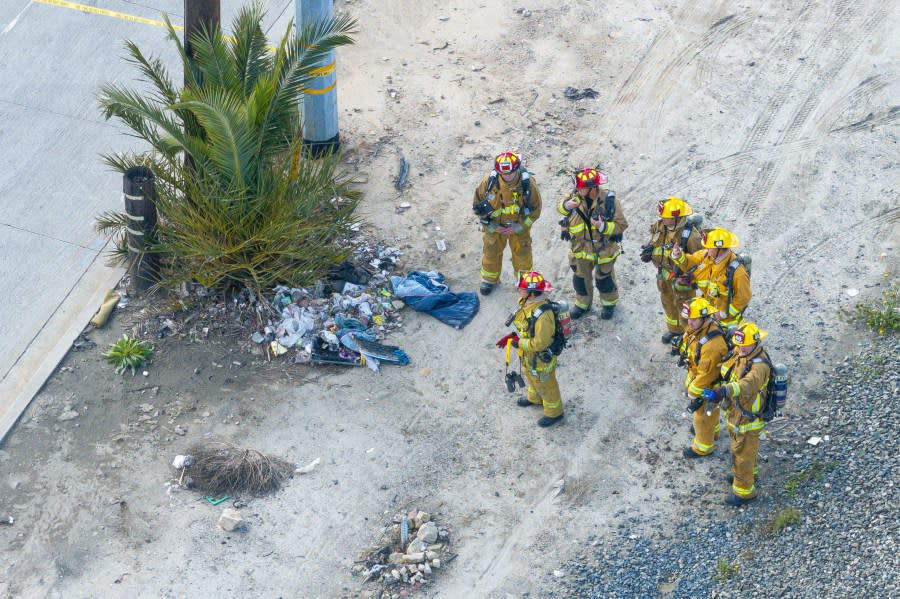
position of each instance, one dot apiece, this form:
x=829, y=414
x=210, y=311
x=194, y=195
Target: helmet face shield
x=534, y=281
x=506, y=162
x=589, y=178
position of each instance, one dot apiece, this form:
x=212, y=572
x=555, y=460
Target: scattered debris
x=814, y=441
x=412, y=547
x=309, y=467
x=223, y=467
x=106, y=307
x=444, y=47
x=404, y=171
x=441, y=245
x=7, y=521
x=572, y=93
x=83, y=343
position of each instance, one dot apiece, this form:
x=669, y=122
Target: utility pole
x=197, y=15
x=320, y=118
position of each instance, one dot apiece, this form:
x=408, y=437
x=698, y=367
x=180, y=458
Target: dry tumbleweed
x=227, y=468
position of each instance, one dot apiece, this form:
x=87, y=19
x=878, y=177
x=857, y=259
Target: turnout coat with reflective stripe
x=589, y=242
x=745, y=386
x=663, y=240
x=508, y=202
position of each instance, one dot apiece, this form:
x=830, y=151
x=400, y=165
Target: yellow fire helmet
x=720, y=238
x=674, y=207
x=698, y=307
x=748, y=334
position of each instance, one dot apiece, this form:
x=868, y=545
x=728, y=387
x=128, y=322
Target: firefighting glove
x=565, y=235
x=714, y=395
x=646, y=253
x=501, y=343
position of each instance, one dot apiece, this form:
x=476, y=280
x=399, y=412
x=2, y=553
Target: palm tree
x=249, y=209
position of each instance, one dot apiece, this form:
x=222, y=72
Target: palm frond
x=249, y=52
x=154, y=71
x=231, y=141
x=295, y=59
x=213, y=59
x=191, y=74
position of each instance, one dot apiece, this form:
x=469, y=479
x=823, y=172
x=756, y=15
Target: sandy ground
x=772, y=118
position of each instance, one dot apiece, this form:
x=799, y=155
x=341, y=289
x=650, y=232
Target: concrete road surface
x=54, y=56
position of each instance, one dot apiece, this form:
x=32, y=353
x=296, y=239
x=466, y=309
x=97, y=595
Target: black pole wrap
x=140, y=209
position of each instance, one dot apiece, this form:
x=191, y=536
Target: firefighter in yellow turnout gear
x=507, y=202
x=710, y=267
x=745, y=376
x=593, y=221
x=673, y=284
x=533, y=338
x=703, y=348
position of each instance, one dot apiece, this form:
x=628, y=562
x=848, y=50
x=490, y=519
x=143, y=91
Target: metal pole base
x=318, y=149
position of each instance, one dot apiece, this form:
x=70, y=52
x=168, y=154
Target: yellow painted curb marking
x=318, y=71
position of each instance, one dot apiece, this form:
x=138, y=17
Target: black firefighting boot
x=524, y=403
x=735, y=501
x=577, y=312
x=545, y=421
x=607, y=312
x=667, y=338
x=486, y=288
x=691, y=454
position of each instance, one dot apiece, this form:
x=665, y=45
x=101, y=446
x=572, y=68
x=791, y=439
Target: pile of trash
x=343, y=319
x=413, y=547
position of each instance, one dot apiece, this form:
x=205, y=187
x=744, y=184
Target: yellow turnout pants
x=492, y=254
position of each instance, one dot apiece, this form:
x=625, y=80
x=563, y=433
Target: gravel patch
x=825, y=525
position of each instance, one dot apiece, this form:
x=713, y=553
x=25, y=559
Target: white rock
x=814, y=441
x=416, y=546
x=435, y=563
x=559, y=573
x=414, y=558
x=230, y=520
x=428, y=533
x=67, y=415
x=182, y=461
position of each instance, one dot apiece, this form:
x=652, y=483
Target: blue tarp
x=426, y=292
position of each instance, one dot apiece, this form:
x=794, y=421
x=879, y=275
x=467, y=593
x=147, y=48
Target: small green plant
x=726, y=570
x=128, y=353
x=783, y=518
x=815, y=471
x=881, y=315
